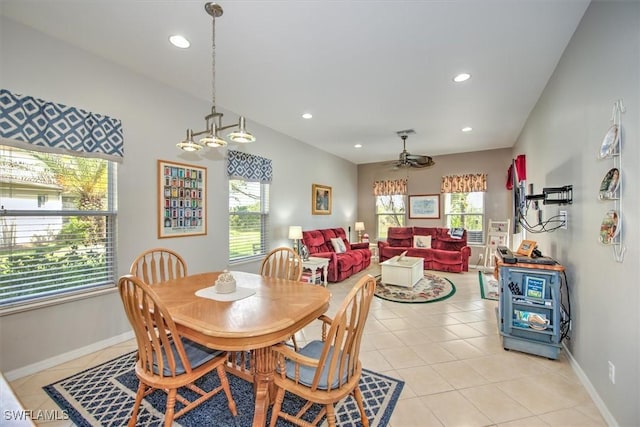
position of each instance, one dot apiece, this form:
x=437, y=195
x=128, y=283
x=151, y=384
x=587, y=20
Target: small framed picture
x=321, y=199
x=526, y=247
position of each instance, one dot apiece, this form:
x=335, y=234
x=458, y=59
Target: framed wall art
x=321, y=199
x=182, y=200
x=425, y=206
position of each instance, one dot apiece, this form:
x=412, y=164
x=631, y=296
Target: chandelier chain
x=213, y=63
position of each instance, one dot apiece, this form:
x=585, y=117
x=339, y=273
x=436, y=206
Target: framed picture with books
x=182, y=199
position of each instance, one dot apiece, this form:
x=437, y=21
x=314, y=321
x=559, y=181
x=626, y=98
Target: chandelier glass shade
x=209, y=136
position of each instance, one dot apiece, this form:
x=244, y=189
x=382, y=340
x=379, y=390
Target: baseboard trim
x=66, y=357
x=602, y=407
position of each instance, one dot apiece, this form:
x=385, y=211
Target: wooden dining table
x=276, y=310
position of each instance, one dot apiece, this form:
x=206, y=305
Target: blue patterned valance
x=249, y=167
x=55, y=126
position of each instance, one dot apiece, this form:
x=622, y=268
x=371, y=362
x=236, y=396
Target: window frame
x=264, y=223
x=470, y=233
x=402, y=214
x=18, y=256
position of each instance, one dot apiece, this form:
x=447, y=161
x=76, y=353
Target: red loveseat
x=356, y=257
x=445, y=254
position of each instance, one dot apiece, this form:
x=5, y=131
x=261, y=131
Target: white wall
x=154, y=118
x=561, y=140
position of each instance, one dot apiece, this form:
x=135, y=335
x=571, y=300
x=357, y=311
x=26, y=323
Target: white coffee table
x=405, y=272
x=316, y=263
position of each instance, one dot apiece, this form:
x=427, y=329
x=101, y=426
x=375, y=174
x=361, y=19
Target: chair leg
x=224, y=381
x=136, y=407
x=277, y=405
x=331, y=415
x=358, y=396
x=170, y=409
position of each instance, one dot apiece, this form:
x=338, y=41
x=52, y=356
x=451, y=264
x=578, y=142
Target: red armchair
x=356, y=257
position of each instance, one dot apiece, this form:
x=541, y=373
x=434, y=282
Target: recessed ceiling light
x=307, y=115
x=357, y=146
x=461, y=77
x=179, y=41
x=467, y=129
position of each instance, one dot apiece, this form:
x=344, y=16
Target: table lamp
x=359, y=229
x=295, y=234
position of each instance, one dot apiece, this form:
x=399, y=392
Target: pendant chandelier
x=209, y=136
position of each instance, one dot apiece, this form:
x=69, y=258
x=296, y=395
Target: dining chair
x=158, y=265
x=282, y=263
x=166, y=360
x=326, y=371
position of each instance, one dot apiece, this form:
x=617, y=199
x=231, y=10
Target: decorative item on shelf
x=610, y=142
x=359, y=229
x=304, y=252
x=213, y=120
x=609, y=229
x=295, y=234
x=365, y=238
x=609, y=185
x=526, y=247
x=225, y=284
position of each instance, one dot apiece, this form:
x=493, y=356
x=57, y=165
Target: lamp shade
x=295, y=232
x=359, y=226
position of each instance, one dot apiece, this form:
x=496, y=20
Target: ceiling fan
x=408, y=160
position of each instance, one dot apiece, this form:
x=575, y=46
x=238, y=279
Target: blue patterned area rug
x=104, y=396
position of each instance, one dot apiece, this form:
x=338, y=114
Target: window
x=248, y=219
x=466, y=210
x=57, y=225
x=390, y=212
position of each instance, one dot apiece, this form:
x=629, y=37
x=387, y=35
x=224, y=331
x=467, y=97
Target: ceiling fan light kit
x=209, y=136
x=408, y=160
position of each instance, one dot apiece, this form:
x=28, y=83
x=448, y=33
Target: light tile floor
x=448, y=353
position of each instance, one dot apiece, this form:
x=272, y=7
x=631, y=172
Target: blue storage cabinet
x=529, y=308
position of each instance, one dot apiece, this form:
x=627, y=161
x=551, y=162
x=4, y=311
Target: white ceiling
x=364, y=69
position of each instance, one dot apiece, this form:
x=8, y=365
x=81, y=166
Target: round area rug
x=430, y=288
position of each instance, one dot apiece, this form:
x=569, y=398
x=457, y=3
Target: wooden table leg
x=263, y=385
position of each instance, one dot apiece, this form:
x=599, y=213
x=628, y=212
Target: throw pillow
x=338, y=245
x=422, y=242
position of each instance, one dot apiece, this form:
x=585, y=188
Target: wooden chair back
x=341, y=350
x=164, y=356
x=158, y=265
x=282, y=263
x=326, y=372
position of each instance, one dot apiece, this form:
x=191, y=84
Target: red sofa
x=356, y=258
x=445, y=254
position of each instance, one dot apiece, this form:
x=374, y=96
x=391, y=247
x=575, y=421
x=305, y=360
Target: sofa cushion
x=422, y=242
x=400, y=236
x=338, y=245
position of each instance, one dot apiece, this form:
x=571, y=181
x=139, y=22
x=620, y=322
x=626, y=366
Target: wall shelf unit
x=610, y=192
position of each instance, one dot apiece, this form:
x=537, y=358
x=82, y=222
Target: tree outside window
x=248, y=219
x=466, y=210
x=390, y=212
